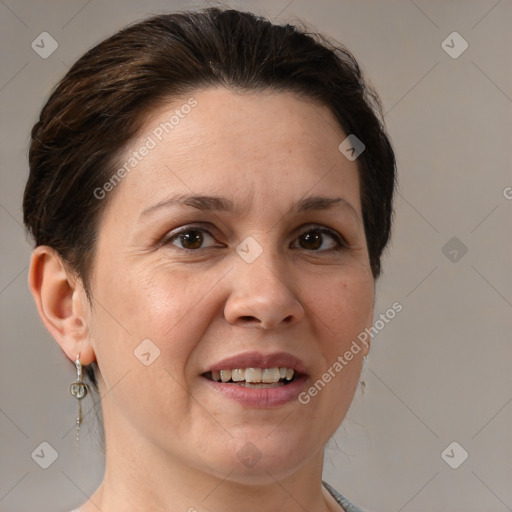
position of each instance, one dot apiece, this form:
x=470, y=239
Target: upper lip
x=259, y=360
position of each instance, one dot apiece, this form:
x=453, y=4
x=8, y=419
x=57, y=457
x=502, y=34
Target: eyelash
x=340, y=243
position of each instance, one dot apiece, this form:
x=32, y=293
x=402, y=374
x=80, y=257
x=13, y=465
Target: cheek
x=143, y=296
x=158, y=311
x=342, y=311
x=168, y=303
x=344, y=306
x=158, y=303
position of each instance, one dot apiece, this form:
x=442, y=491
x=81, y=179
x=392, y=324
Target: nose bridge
x=260, y=267
x=262, y=292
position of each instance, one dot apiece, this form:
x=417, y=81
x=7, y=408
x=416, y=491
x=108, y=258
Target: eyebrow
x=223, y=204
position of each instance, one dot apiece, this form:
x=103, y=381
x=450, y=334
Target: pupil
x=192, y=239
x=313, y=237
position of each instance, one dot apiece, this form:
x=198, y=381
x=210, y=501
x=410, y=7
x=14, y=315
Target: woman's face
x=262, y=277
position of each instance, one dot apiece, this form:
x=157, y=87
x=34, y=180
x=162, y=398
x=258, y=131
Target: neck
x=143, y=478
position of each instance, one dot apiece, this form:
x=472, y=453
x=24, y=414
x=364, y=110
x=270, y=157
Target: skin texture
x=263, y=151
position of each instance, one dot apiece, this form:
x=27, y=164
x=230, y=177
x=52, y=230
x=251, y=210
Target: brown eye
x=311, y=240
x=190, y=239
x=314, y=239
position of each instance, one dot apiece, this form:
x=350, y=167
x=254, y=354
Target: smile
x=254, y=377
x=258, y=380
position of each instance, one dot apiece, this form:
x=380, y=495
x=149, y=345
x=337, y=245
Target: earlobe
x=61, y=303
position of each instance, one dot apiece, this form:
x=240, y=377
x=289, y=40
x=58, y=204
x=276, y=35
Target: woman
x=210, y=196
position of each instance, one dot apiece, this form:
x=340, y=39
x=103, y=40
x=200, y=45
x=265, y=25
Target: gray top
x=346, y=504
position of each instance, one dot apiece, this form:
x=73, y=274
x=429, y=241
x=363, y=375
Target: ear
x=62, y=303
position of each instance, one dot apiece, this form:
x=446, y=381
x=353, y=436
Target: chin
x=259, y=460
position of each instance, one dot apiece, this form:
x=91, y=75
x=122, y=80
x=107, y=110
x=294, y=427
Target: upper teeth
x=267, y=375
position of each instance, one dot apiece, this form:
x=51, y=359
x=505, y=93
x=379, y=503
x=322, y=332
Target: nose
x=262, y=295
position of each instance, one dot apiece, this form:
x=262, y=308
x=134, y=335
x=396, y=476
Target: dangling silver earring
x=361, y=377
x=79, y=390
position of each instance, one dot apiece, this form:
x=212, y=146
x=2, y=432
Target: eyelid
x=338, y=237
x=169, y=237
x=304, y=228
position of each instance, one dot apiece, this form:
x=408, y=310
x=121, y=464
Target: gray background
x=439, y=372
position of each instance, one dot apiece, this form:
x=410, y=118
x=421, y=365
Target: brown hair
x=102, y=102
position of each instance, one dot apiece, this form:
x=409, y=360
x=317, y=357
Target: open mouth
x=254, y=377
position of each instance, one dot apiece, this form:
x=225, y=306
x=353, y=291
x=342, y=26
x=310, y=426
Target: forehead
x=216, y=140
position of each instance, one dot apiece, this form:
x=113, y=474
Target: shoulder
x=345, y=503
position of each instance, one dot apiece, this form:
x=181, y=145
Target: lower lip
x=258, y=397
